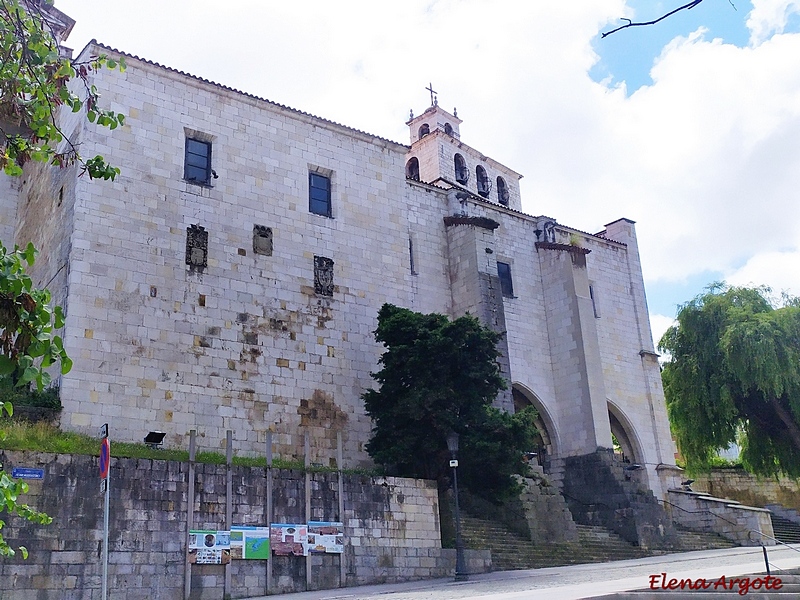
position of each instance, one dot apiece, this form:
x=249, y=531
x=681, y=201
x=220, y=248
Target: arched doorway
x=626, y=446
x=547, y=442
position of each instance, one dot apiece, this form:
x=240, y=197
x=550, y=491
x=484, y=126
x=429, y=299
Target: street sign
x=27, y=473
x=104, y=431
x=105, y=457
x=454, y=463
x=103, y=485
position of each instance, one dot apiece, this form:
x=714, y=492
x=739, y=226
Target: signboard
x=27, y=473
x=209, y=547
x=249, y=542
x=325, y=537
x=288, y=539
x=105, y=457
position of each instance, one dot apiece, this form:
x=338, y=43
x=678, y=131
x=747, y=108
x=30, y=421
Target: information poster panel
x=250, y=542
x=288, y=539
x=325, y=537
x=208, y=547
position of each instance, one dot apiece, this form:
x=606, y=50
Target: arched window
x=502, y=191
x=484, y=185
x=412, y=168
x=424, y=130
x=448, y=129
x=462, y=173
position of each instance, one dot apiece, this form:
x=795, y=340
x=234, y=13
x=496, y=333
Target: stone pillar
x=661, y=470
x=577, y=370
x=475, y=285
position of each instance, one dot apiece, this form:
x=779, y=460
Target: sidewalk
x=571, y=582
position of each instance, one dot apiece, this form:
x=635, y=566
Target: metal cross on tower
x=430, y=89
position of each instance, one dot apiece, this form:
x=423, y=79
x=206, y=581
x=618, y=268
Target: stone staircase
x=689, y=540
x=790, y=586
x=785, y=531
x=512, y=551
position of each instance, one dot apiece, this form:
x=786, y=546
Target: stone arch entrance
x=625, y=435
x=548, y=436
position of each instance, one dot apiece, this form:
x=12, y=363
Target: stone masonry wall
x=737, y=522
x=749, y=489
x=391, y=530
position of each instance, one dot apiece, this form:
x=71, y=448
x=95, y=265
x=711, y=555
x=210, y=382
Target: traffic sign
x=105, y=457
x=104, y=431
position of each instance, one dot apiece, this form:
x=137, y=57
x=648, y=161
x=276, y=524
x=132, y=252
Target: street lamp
x=452, y=445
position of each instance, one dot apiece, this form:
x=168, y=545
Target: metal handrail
x=750, y=533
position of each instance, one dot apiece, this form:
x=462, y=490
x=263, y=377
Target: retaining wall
x=391, y=530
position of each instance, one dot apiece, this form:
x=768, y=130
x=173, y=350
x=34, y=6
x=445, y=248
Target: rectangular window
x=319, y=194
x=197, y=164
x=504, y=273
x=592, y=295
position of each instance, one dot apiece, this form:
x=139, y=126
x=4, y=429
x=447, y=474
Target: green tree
x=439, y=376
x=733, y=375
x=35, y=87
x=37, y=84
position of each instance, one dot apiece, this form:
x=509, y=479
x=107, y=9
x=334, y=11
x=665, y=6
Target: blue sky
x=628, y=55
x=690, y=128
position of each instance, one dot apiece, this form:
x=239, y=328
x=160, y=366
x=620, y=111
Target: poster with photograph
x=288, y=539
x=325, y=537
x=209, y=547
x=250, y=542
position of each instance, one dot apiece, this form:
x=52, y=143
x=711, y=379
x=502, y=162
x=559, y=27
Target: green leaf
x=9, y=408
x=7, y=365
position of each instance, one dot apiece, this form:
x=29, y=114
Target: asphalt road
x=573, y=582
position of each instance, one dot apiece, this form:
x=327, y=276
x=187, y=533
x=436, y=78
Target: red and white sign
x=105, y=457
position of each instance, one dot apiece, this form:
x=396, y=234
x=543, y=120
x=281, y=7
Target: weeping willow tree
x=734, y=376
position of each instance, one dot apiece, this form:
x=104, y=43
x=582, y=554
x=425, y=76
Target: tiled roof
x=230, y=89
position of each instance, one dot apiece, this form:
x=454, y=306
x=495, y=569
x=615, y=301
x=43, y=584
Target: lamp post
x=452, y=445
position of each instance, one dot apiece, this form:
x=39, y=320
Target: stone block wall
x=737, y=522
x=749, y=489
x=391, y=530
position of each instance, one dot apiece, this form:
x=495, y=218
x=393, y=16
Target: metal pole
x=104, y=594
x=461, y=572
x=339, y=467
x=766, y=559
x=187, y=573
x=228, y=503
x=307, y=450
x=269, y=504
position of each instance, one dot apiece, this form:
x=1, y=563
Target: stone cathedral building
x=231, y=276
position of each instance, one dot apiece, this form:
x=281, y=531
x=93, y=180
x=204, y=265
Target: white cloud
x=778, y=270
x=659, y=324
x=769, y=17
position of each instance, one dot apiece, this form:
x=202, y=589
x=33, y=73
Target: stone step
x=785, y=530
x=700, y=540
x=512, y=551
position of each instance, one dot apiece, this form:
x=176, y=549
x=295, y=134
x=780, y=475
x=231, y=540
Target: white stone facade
x=247, y=343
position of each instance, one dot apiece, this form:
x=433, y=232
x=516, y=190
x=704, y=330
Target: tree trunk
x=786, y=418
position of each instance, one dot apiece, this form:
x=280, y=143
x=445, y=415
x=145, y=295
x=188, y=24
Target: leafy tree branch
x=630, y=23
x=734, y=376
x=34, y=78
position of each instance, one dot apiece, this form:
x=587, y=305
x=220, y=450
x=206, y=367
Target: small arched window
x=424, y=130
x=484, y=185
x=412, y=168
x=448, y=129
x=502, y=191
x=462, y=173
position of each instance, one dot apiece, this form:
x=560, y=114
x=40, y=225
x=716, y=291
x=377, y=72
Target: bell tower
x=439, y=157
